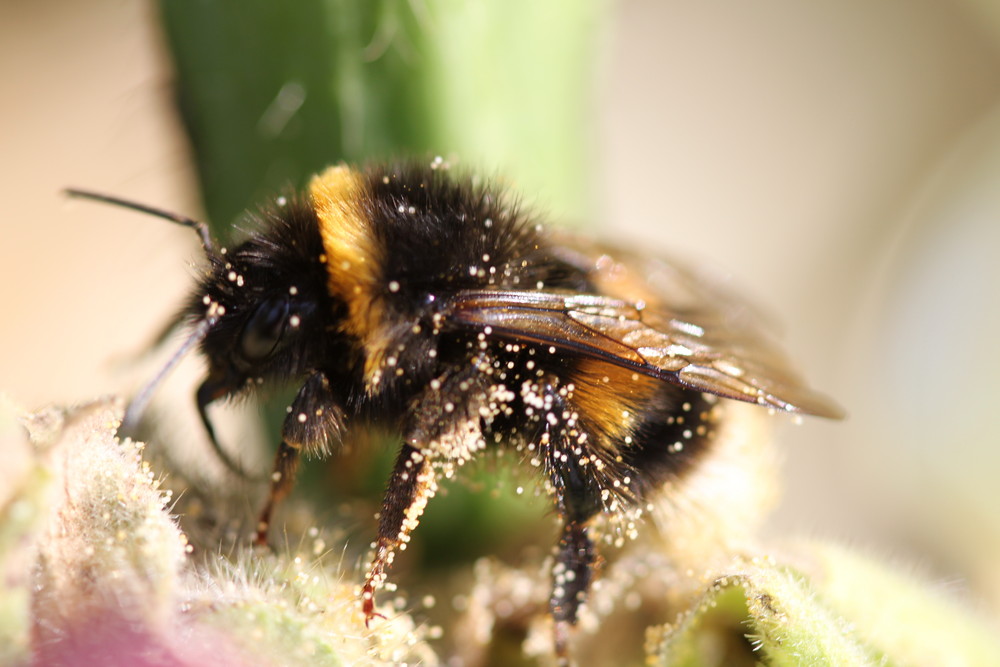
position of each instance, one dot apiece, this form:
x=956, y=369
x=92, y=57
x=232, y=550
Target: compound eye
x=264, y=330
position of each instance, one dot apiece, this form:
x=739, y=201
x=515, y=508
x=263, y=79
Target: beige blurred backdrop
x=840, y=160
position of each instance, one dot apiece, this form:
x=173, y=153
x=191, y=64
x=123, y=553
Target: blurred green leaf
x=24, y=484
x=848, y=611
x=273, y=92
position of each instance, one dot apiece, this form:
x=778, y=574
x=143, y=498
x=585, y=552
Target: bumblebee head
x=268, y=311
x=261, y=311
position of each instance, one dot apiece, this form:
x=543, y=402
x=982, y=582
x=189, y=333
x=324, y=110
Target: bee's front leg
x=313, y=422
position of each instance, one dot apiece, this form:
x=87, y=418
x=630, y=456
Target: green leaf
x=848, y=611
x=273, y=92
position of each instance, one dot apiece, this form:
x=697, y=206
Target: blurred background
x=839, y=160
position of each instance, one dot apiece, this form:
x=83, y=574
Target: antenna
x=200, y=227
x=141, y=400
x=138, y=403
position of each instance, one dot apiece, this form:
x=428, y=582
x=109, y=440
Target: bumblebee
x=406, y=296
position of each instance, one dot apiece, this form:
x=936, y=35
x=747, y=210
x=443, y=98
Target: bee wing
x=665, y=283
x=697, y=350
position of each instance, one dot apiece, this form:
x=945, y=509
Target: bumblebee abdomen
x=647, y=431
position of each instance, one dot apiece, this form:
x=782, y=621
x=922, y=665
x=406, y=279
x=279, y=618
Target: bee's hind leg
x=571, y=578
